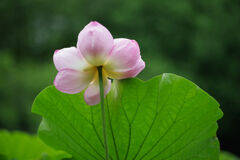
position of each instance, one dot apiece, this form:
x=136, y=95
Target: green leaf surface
x=228, y=156
x=21, y=146
x=165, y=118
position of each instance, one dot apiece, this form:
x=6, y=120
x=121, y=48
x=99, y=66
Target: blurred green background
x=199, y=40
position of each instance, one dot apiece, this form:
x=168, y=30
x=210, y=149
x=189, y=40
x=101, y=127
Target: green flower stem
x=103, y=111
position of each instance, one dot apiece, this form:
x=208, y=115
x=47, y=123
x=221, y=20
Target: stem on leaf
x=103, y=111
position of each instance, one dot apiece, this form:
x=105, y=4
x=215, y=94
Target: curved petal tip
x=95, y=43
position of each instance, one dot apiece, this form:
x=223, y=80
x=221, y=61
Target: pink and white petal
x=92, y=93
x=133, y=72
x=128, y=73
x=69, y=58
x=125, y=54
x=95, y=43
x=73, y=81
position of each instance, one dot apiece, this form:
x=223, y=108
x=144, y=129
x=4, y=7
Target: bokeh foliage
x=22, y=146
x=196, y=39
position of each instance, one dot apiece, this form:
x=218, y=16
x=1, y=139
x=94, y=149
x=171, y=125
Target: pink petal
x=133, y=72
x=127, y=73
x=95, y=43
x=73, y=81
x=125, y=55
x=92, y=93
x=69, y=58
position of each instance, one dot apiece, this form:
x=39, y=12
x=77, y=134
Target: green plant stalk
x=103, y=111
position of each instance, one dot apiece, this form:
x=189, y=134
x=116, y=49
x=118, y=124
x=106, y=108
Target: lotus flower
x=77, y=66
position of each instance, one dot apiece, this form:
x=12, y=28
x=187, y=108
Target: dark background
x=197, y=39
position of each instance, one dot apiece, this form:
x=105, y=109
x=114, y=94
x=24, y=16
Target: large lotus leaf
x=167, y=117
